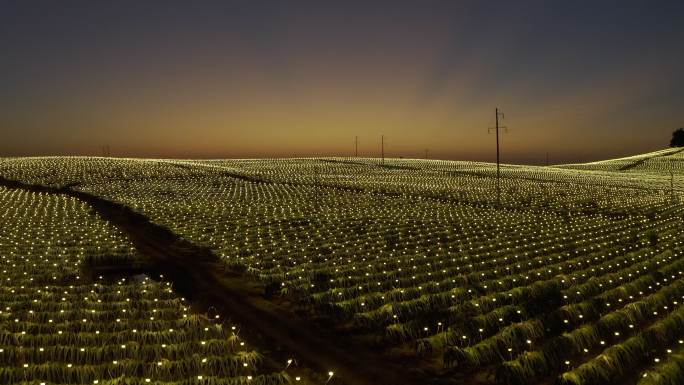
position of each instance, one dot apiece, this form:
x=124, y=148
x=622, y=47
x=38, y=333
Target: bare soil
x=273, y=325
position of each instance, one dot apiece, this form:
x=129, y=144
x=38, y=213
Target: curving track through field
x=272, y=325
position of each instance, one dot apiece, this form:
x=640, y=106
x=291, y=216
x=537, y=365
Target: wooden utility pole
x=498, y=163
x=498, y=114
x=672, y=192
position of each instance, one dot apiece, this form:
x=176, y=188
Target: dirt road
x=272, y=326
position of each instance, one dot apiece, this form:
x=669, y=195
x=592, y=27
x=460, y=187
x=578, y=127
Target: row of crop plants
x=59, y=327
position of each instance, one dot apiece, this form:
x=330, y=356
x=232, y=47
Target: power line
x=498, y=114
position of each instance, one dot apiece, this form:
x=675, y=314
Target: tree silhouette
x=677, y=138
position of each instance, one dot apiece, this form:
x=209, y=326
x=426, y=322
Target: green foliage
x=414, y=254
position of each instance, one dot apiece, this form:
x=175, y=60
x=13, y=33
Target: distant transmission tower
x=498, y=114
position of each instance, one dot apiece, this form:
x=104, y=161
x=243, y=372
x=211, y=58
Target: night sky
x=580, y=80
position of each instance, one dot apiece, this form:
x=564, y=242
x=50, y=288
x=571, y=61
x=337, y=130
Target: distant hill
x=657, y=162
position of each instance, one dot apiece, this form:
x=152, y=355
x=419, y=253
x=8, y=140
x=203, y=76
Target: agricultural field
x=572, y=276
x=59, y=326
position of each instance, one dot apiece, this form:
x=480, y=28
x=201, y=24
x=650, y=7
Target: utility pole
x=498, y=114
x=672, y=192
x=356, y=147
x=382, y=148
x=498, y=163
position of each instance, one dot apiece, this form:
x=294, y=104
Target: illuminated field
x=59, y=327
x=574, y=277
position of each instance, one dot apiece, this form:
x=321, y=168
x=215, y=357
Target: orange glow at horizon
x=316, y=78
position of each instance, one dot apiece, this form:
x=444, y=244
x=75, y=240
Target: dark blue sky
x=582, y=80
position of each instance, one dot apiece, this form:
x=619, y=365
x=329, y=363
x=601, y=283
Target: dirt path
x=272, y=326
